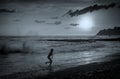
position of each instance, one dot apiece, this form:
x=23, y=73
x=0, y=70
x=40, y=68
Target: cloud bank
x=7, y=11
x=89, y=9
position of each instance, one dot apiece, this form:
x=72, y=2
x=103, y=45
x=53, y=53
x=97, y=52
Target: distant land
x=114, y=31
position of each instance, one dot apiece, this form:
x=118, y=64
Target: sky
x=53, y=17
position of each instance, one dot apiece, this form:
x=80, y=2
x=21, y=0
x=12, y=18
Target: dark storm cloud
x=73, y=24
x=90, y=9
x=37, y=21
x=7, y=11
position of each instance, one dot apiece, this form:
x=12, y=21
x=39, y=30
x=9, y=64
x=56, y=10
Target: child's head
x=52, y=50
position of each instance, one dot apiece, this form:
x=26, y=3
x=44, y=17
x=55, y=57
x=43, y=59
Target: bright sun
x=85, y=23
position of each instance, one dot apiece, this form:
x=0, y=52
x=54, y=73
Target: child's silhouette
x=50, y=56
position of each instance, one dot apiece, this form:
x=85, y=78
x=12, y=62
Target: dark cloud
x=89, y=9
x=56, y=23
x=7, y=11
x=37, y=21
x=73, y=24
x=54, y=17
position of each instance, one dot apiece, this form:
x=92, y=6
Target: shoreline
x=103, y=70
x=85, y=40
x=62, y=38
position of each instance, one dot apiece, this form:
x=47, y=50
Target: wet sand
x=106, y=70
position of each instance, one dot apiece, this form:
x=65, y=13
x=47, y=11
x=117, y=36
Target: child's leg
x=50, y=62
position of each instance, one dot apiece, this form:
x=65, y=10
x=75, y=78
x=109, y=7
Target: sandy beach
x=106, y=70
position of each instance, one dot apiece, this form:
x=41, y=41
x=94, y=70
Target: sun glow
x=86, y=23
